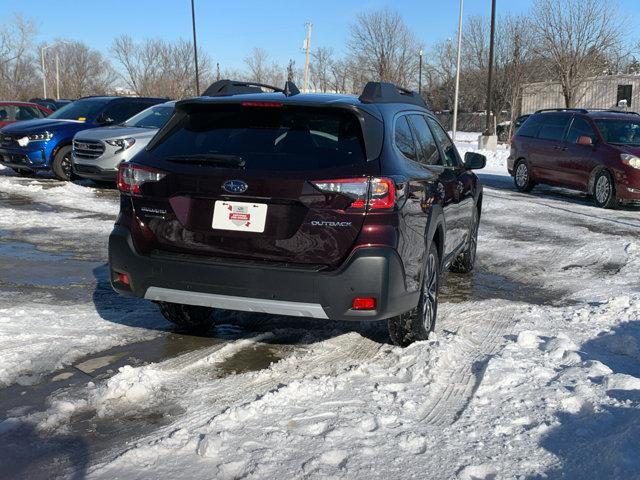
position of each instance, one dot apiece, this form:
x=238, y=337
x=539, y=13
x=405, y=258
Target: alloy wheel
x=65, y=164
x=603, y=189
x=430, y=293
x=522, y=175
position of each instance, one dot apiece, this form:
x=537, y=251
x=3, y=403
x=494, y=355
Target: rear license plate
x=239, y=216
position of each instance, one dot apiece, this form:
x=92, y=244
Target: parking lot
x=539, y=345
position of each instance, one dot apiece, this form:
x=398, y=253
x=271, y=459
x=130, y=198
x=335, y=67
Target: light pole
x=44, y=70
x=420, y=74
x=195, y=46
x=457, y=92
x=488, y=139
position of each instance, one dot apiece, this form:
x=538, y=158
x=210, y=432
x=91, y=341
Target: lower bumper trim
x=244, y=304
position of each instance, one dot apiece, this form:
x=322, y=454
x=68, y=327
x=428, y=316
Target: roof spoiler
x=382, y=92
x=223, y=88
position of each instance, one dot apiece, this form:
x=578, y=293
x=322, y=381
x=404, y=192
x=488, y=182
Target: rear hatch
x=257, y=181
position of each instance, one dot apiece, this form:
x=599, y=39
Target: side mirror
x=584, y=140
x=474, y=161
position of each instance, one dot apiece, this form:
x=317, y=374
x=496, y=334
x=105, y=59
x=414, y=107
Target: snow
x=534, y=372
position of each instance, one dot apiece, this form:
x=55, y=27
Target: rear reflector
x=123, y=278
x=363, y=303
x=372, y=193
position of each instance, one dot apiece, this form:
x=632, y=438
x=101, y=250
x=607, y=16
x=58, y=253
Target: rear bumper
x=369, y=272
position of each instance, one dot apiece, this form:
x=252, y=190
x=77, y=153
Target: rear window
x=268, y=138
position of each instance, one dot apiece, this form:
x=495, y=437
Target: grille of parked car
x=87, y=149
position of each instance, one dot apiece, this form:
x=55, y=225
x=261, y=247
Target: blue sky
x=228, y=30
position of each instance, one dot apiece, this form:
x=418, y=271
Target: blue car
x=45, y=144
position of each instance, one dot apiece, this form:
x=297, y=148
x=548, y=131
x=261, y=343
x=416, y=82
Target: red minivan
x=12, y=111
x=597, y=152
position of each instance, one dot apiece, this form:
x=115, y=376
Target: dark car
x=597, y=152
x=45, y=144
x=326, y=206
x=15, y=111
x=502, y=130
x=51, y=103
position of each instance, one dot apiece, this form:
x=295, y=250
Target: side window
x=447, y=146
x=427, y=149
x=404, y=138
x=580, y=128
x=530, y=127
x=7, y=113
x=554, y=126
x=25, y=112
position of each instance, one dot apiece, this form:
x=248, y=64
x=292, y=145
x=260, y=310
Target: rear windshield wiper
x=230, y=161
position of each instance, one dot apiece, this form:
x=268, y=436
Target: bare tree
x=321, y=68
x=384, y=48
x=574, y=37
x=82, y=70
x=19, y=74
x=257, y=63
x=160, y=68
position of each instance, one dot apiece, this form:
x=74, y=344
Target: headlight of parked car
x=630, y=160
x=40, y=136
x=122, y=143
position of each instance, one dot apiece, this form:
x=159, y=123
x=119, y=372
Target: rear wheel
x=62, y=164
x=465, y=261
x=418, y=323
x=188, y=317
x=604, y=190
x=522, y=177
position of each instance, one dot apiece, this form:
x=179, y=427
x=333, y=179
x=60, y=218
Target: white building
x=596, y=92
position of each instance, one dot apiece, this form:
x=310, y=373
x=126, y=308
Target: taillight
x=369, y=193
x=131, y=177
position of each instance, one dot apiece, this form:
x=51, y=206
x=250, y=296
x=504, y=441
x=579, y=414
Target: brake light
x=124, y=279
x=131, y=177
x=262, y=104
x=372, y=193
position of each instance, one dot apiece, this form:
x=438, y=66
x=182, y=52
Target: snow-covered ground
x=533, y=372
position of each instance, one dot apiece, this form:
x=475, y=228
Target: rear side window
x=530, y=127
x=553, y=127
x=404, y=138
x=580, y=128
x=427, y=148
x=283, y=138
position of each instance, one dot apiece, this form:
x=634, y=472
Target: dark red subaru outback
x=327, y=206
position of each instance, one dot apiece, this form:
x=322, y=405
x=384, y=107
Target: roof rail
x=580, y=110
x=610, y=110
x=233, y=87
x=382, y=92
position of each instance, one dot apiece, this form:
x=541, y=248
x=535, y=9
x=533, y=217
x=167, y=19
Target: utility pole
x=57, y=77
x=195, y=46
x=307, y=46
x=457, y=92
x=488, y=139
x=420, y=75
x=44, y=73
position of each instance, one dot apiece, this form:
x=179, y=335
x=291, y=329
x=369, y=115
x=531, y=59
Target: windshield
x=83, y=110
x=154, y=117
x=280, y=138
x=620, y=132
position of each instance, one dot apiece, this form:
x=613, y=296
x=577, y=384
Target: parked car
x=592, y=151
x=51, y=103
x=327, y=206
x=15, y=111
x=502, y=130
x=45, y=144
x=97, y=152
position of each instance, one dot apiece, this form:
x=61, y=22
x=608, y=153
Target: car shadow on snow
x=603, y=443
x=137, y=312
x=28, y=453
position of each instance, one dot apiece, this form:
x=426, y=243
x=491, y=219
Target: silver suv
x=97, y=152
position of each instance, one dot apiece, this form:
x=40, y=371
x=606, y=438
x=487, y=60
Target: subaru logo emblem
x=235, y=186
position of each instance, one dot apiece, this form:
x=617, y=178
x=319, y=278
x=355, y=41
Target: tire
x=419, y=322
x=24, y=172
x=522, y=177
x=604, y=190
x=466, y=260
x=61, y=165
x=188, y=317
